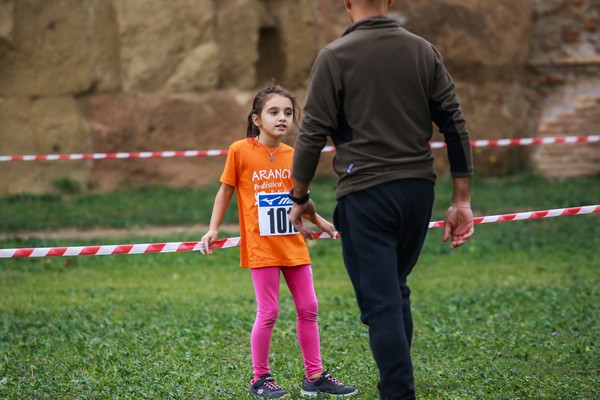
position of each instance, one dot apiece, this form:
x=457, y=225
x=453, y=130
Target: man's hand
x=458, y=225
x=297, y=212
x=302, y=210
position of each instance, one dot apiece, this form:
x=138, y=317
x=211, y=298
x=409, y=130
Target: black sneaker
x=327, y=384
x=267, y=388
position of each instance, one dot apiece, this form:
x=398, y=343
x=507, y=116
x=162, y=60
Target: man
x=376, y=91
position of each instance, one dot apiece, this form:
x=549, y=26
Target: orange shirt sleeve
x=229, y=175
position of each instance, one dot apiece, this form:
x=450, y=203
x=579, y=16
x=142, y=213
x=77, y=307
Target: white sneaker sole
x=312, y=394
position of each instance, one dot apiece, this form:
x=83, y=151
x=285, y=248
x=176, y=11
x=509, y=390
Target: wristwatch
x=299, y=200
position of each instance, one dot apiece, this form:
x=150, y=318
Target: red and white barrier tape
x=529, y=215
x=526, y=141
x=121, y=155
x=174, y=247
x=326, y=149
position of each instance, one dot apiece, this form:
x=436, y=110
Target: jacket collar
x=378, y=21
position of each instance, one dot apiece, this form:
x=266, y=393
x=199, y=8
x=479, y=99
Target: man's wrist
x=301, y=199
x=460, y=205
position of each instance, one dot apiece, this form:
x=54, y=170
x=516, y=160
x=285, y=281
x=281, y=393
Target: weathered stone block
x=473, y=32
x=198, y=72
x=44, y=126
x=6, y=19
x=156, y=37
x=60, y=47
x=238, y=25
x=300, y=39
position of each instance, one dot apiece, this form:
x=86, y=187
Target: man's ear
x=348, y=4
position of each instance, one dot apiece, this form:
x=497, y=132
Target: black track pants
x=383, y=229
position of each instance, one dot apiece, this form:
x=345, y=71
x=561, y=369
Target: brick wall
x=569, y=160
x=565, y=59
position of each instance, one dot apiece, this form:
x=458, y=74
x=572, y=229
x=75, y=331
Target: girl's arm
x=222, y=200
x=324, y=225
x=311, y=215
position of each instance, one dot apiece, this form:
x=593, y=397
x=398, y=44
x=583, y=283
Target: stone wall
x=564, y=63
x=133, y=75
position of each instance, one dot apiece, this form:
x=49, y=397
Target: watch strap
x=299, y=200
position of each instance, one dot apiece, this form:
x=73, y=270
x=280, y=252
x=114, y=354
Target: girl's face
x=275, y=120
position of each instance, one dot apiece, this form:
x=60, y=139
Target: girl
x=259, y=167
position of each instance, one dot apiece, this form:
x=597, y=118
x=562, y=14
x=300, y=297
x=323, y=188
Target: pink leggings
x=266, y=288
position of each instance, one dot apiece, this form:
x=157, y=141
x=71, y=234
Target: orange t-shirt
x=263, y=205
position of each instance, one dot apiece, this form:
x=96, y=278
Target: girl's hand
x=325, y=226
x=208, y=239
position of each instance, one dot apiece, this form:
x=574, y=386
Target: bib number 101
x=273, y=211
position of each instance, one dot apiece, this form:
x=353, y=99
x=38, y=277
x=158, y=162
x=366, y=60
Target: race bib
x=273, y=211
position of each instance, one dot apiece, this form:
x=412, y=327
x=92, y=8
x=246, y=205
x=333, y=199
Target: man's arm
x=319, y=116
x=447, y=115
x=318, y=120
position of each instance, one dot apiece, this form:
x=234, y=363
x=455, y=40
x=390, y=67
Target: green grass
x=512, y=315
x=123, y=209
x=180, y=206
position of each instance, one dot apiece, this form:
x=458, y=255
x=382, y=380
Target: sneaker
x=326, y=384
x=267, y=388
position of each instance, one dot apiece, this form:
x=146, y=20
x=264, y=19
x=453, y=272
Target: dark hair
x=261, y=99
